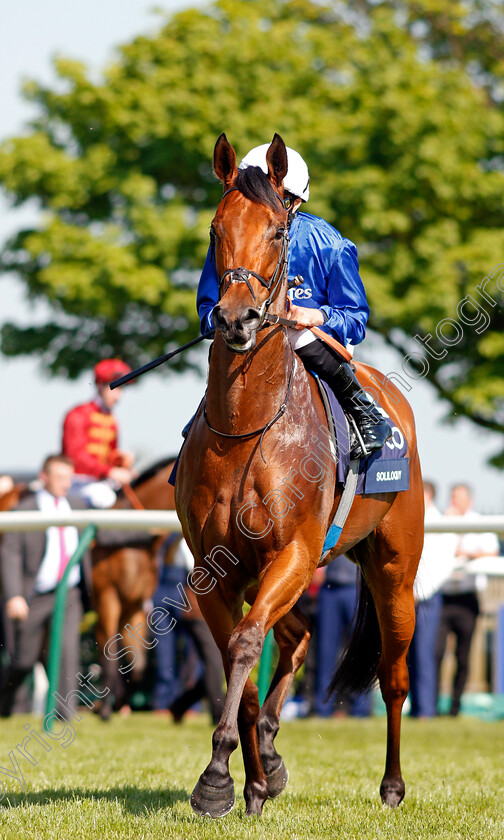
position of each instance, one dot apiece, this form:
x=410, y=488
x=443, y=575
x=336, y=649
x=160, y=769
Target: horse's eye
x=280, y=232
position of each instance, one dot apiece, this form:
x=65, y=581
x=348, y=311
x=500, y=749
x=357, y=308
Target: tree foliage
x=397, y=107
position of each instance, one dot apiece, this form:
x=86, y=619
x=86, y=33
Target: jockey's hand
x=305, y=317
x=120, y=458
x=125, y=459
x=17, y=608
x=121, y=475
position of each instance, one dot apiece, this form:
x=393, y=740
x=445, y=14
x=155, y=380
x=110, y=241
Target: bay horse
x=256, y=525
x=12, y=496
x=124, y=575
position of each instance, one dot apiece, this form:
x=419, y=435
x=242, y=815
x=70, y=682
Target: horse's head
x=250, y=241
x=10, y=497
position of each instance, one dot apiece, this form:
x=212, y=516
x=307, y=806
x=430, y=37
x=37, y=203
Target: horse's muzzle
x=238, y=328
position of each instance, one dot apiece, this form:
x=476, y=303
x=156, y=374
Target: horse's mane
x=256, y=186
x=153, y=470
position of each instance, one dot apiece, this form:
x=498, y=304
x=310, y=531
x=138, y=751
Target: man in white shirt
x=460, y=607
x=32, y=564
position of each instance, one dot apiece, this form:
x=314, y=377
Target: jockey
x=90, y=438
x=331, y=296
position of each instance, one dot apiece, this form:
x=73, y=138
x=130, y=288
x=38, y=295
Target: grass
x=132, y=778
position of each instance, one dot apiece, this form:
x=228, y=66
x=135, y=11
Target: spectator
x=173, y=571
x=90, y=438
x=436, y=565
x=460, y=607
x=336, y=605
x=31, y=565
x=211, y=682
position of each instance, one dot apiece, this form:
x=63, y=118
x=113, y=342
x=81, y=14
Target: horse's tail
x=357, y=667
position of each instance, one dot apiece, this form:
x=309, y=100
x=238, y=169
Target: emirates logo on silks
x=299, y=294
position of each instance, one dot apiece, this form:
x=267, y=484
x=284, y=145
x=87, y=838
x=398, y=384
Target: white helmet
x=297, y=180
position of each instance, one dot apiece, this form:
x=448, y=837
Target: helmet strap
x=291, y=205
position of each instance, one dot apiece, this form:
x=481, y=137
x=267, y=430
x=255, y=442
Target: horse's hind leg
x=108, y=608
x=390, y=575
x=292, y=636
x=134, y=632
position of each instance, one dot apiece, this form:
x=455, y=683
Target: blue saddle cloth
x=384, y=471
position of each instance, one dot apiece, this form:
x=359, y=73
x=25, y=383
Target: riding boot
x=372, y=427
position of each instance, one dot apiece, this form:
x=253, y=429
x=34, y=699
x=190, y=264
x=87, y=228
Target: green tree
x=397, y=107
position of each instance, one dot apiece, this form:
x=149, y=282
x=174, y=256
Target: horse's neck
x=245, y=392
x=153, y=494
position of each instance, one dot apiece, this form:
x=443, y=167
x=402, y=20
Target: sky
x=153, y=411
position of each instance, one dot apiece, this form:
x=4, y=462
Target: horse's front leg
x=292, y=635
x=256, y=789
x=214, y=792
x=280, y=588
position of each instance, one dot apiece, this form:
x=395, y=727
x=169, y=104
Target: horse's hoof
x=105, y=711
x=392, y=793
x=276, y=780
x=209, y=801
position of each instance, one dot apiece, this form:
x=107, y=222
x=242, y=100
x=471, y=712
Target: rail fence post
x=56, y=633
x=264, y=675
x=499, y=653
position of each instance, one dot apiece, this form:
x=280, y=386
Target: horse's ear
x=276, y=158
x=224, y=160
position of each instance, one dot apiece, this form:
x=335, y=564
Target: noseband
x=242, y=275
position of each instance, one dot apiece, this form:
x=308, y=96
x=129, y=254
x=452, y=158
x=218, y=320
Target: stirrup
x=358, y=448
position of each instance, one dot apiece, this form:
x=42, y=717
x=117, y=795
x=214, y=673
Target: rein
x=132, y=497
x=262, y=431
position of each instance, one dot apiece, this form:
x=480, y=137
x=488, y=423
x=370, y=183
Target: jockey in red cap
x=90, y=438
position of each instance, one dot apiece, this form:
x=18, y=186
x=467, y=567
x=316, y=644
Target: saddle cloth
x=384, y=471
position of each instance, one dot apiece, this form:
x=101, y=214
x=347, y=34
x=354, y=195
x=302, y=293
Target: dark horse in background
x=256, y=526
x=124, y=577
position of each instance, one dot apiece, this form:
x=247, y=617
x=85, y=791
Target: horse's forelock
x=256, y=186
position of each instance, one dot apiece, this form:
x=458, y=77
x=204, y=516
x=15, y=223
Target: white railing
x=466, y=525
x=167, y=520
x=135, y=520
x=27, y=520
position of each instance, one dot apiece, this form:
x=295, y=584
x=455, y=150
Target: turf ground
x=132, y=778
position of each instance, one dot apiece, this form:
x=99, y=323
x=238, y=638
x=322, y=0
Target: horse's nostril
x=218, y=318
x=237, y=325
x=251, y=315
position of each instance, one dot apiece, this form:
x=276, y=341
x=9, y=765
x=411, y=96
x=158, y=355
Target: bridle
x=242, y=275
x=273, y=285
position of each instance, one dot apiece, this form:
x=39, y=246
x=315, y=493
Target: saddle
x=384, y=471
